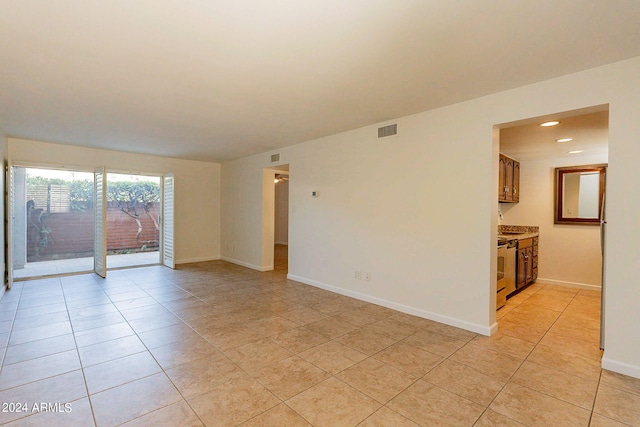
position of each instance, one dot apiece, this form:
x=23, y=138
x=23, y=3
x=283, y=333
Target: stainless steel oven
x=506, y=277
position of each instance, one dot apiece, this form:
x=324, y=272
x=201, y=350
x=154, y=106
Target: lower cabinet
x=527, y=262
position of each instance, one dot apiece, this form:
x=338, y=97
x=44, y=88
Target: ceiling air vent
x=387, y=130
x=275, y=157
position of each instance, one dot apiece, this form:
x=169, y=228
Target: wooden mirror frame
x=559, y=190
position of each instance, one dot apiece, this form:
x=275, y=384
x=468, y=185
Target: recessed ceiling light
x=550, y=123
x=574, y=151
x=564, y=139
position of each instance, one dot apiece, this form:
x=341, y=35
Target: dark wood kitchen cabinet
x=527, y=262
x=508, y=180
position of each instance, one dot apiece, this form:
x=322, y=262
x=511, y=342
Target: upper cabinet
x=508, y=180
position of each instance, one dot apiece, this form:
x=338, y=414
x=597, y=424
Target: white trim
x=494, y=328
x=200, y=259
x=246, y=264
x=473, y=327
x=569, y=284
x=620, y=367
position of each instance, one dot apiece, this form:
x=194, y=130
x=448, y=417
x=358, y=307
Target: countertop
x=517, y=236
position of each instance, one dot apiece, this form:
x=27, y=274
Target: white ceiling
x=220, y=79
x=530, y=141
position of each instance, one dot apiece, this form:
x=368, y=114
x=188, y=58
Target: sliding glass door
x=73, y=221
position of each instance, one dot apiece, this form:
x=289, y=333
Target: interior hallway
x=218, y=344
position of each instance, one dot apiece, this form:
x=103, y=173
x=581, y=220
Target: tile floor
x=216, y=344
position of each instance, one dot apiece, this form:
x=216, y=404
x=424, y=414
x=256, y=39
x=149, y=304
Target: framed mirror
x=579, y=194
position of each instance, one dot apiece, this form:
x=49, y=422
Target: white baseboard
x=192, y=260
x=246, y=264
x=569, y=284
x=473, y=327
x=620, y=367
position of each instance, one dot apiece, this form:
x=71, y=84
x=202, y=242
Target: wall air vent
x=387, y=130
x=275, y=157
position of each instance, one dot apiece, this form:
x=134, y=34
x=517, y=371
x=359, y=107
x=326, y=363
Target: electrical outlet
x=359, y=275
x=367, y=276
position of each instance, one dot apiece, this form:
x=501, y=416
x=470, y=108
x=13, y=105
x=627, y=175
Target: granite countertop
x=517, y=236
x=517, y=232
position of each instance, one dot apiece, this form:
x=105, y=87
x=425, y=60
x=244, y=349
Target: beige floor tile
x=109, y=350
x=120, y=371
x=230, y=338
x=493, y=419
x=410, y=359
x=37, y=369
x=366, y=341
x=35, y=349
x=576, y=390
x=575, y=331
x=533, y=408
x=500, y=366
x=187, y=350
x=42, y=320
x=102, y=334
x=233, y=402
x=429, y=405
x=253, y=356
x=299, y=339
x=356, y=317
x=176, y=414
x=168, y=335
x=376, y=379
x=272, y=325
x=568, y=344
x=132, y=400
x=600, y=421
x=280, y=415
x=527, y=331
x=304, y=316
x=290, y=376
x=333, y=403
x=566, y=362
x=89, y=322
x=505, y=344
x=432, y=342
x=618, y=405
x=150, y=323
x=202, y=375
x=332, y=356
x=393, y=327
x=621, y=382
x=331, y=327
x=464, y=381
x=62, y=388
x=40, y=332
x=39, y=311
x=385, y=417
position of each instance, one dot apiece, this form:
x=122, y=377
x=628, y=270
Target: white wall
x=419, y=210
x=197, y=188
x=569, y=254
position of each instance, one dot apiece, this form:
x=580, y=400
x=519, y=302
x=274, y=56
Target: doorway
x=133, y=220
x=570, y=257
x=52, y=222
x=281, y=228
x=65, y=221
